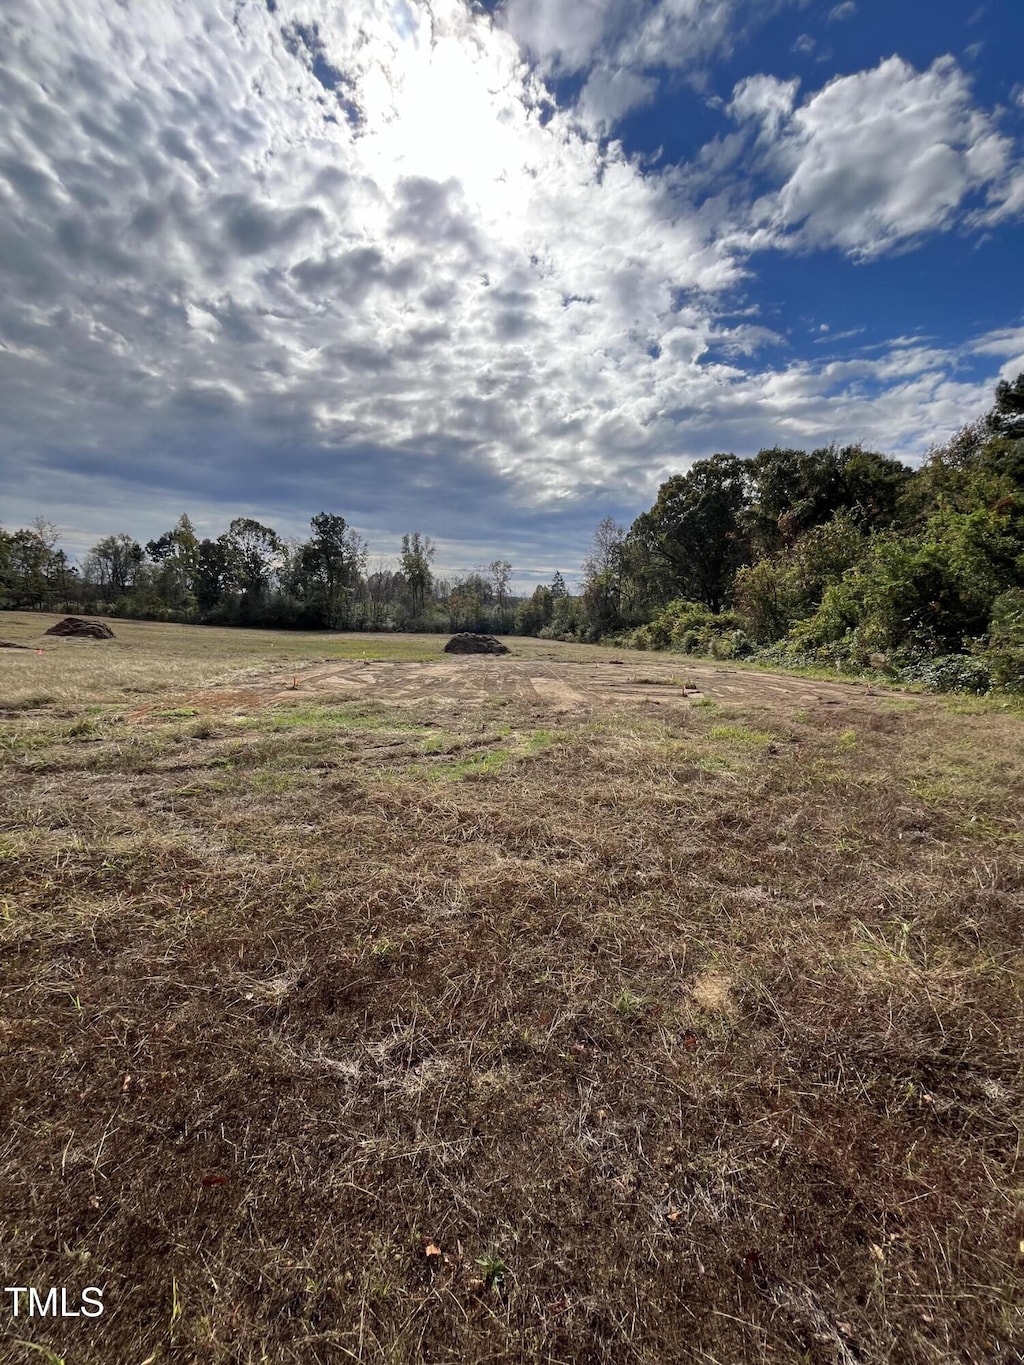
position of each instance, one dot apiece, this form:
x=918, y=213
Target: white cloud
x=609, y=93
x=874, y=159
x=632, y=39
x=766, y=100
x=359, y=261
x=839, y=13
x=1006, y=343
x=201, y=237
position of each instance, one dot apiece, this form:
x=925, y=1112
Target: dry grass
x=334, y=1029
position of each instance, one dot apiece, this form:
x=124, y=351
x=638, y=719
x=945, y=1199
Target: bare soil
x=546, y=685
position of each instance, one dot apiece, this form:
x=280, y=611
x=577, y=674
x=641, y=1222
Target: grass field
x=572, y=1006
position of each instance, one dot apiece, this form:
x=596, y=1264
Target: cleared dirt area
x=358, y=1003
x=545, y=682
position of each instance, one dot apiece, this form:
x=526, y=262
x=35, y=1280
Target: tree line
x=251, y=576
x=839, y=556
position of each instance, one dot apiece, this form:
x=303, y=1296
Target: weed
x=493, y=1269
x=384, y=949
x=628, y=1003
x=49, y=1356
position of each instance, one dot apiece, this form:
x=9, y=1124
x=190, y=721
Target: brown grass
x=452, y=1025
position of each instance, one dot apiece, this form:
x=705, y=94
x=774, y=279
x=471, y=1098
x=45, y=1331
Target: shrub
x=949, y=673
x=693, y=629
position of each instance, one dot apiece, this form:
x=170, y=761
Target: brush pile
x=74, y=627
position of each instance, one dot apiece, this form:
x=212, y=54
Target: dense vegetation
x=840, y=556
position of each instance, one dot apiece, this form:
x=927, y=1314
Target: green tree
x=602, y=577
x=1006, y=420
x=930, y=593
x=28, y=559
x=176, y=554
x=113, y=563
x=778, y=590
x=536, y=612
x=327, y=569
x=501, y=576
x=417, y=553
x=6, y=594
x=214, y=579
x=793, y=491
x=254, y=552
x=694, y=530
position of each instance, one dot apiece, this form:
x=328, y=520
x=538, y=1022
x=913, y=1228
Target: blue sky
x=489, y=271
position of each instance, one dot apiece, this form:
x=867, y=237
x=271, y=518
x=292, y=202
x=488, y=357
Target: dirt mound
x=9, y=644
x=468, y=643
x=82, y=630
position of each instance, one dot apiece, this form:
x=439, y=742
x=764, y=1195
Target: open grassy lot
x=566, y=1007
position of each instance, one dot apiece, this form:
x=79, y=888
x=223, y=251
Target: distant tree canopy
x=837, y=555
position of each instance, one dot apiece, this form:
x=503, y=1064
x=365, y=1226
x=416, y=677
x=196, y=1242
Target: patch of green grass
x=536, y=741
x=711, y=764
x=474, y=766
x=384, y=949
x=741, y=734
x=958, y=704
x=266, y=780
x=628, y=1003
x=483, y=764
x=318, y=716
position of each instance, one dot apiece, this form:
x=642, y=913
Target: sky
x=490, y=271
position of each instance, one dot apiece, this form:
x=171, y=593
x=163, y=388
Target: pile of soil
x=78, y=629
x=468, y=643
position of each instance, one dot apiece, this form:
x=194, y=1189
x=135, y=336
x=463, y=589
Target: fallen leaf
x=432, y=1249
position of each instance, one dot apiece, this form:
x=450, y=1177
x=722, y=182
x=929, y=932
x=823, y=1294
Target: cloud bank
x=273, y=257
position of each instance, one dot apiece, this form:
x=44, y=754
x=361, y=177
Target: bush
x=693, y=629
x=948, y=673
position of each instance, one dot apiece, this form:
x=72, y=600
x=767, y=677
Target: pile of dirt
x=468, y=643
x=78, y=629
